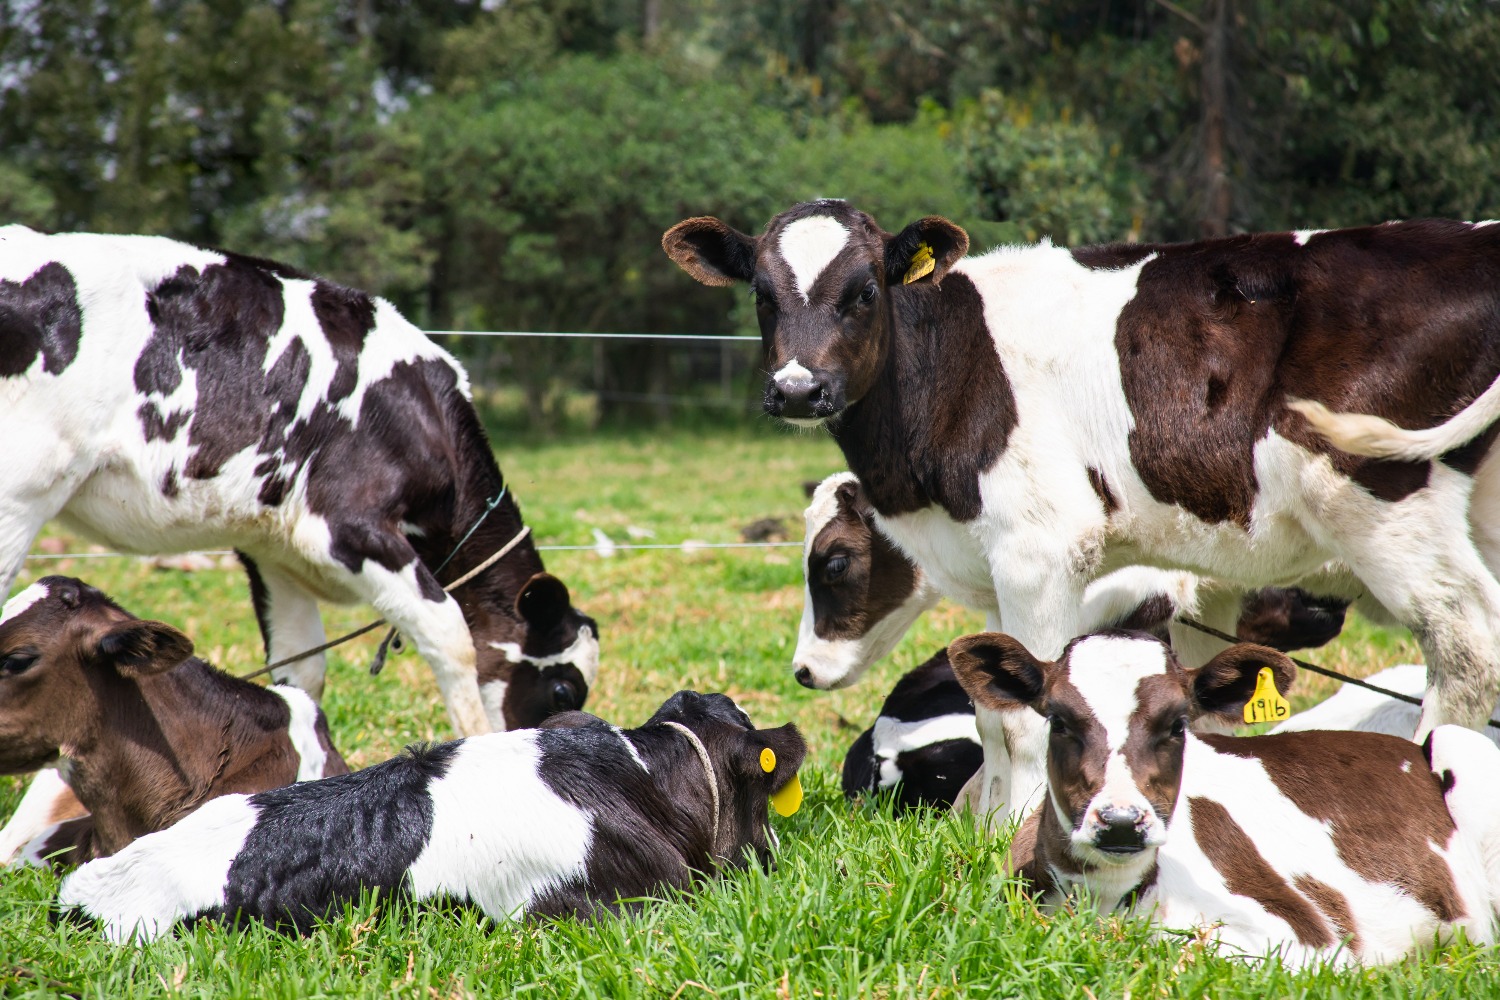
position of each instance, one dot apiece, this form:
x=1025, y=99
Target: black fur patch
x=316, y=845
x=39, y=316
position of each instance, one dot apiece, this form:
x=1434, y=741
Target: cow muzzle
x=803, y=397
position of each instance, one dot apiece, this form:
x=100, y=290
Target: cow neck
x=657, y=757
x=940, y=409
x=192, y=731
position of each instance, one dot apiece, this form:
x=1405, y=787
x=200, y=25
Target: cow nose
x=804, y=677
x=564, y=697
x=1122, y=830
x=798, y=396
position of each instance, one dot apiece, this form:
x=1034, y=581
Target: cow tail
x=1376, y=437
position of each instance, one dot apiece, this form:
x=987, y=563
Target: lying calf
x=1339, y=846
x=1354, y=707
x=862, y=594
x=565, y=819
x=148, y=733
x=924, y=744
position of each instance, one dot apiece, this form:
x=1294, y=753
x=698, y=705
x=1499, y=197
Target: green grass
x=861, y=904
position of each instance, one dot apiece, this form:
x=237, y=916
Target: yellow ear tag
x=768, y=760
x=789, y=799
x=921, y=264
x=1267, y=704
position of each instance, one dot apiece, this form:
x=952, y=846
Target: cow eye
x=835, y=568
x=868, y=295
x=17, y=663
x=1178, y=730
x=1059, y=726
x=763, y=299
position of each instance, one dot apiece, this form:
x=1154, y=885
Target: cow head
x=821, y=273
x=550, y=670
x=65, y=649
x=738, y=753
x=862, y=593
x=1119, y=705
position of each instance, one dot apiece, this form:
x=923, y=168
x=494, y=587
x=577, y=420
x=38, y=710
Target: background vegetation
x=512, y=164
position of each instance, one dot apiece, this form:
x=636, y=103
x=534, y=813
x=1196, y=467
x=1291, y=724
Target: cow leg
x=413, y=601
x=1484, y=511
x=1417, y=559
x=289, y=623
x=48, y=802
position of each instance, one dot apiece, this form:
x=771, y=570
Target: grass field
x=861, y=904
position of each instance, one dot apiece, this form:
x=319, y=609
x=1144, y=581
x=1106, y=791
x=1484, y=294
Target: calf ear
x=709, y=250
x=905, y=260
x=997, y=671
x=788, y=751
x=543, y=601
x=1224, y=684
x=138, y=648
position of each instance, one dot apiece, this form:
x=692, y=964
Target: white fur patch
x=302, y=730
x=808, y=246
x=158, y=880
x=1303, y=235
x=492, y=694
x=38, y=812
x=583, y=654
x=500, y=836
x=25, y=599
x=792, y=370
x=892, y=737
x=634, y=753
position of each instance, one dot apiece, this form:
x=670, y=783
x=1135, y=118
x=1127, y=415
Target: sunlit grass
x=861, y=904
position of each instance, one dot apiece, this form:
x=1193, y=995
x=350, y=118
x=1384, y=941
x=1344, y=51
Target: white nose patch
x=809, y=245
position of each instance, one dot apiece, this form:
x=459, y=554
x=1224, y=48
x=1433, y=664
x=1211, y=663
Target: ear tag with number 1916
x=1267, y=704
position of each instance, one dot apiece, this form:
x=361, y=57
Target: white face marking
x=25, y=599
x=808, y=246
x=302, y=730
x=1106, y=671
x=583, y=654
x=1303, y=235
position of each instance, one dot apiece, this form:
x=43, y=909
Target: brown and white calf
x=1036, y=417
x=1336, y=846
x=146, y=732
x=162, y=397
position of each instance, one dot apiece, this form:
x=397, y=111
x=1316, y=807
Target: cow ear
x=1224, y=684
x=773, y=770
x=997, y=672
x=711, y=251
x=138, y=648
x=543, y=601
x=924, y=251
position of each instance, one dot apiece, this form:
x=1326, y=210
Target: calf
x=570, y=818
x=1036, y=417
x=162, y=397
x=1324, y=846
x=924, y=744
x=147, y=733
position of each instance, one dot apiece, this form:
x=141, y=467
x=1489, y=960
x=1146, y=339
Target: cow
x=149, y=732
x=1036, y=417
x=1323, y=846
x=923, y=745
x=570, y=818
x=164, y=397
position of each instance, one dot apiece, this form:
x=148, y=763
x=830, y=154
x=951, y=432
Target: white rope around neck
x=713, y=780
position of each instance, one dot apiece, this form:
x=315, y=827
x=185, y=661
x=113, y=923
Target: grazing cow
x=162, y=397
x=569, y=818
x=1354, y=707
x=148, y=733
x=924, y=743
x=1035, y=417
x=1343, y=847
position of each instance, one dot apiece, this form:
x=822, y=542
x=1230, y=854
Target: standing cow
x=1035, y=417
x=161, y=397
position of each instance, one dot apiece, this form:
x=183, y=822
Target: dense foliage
x=513, y=164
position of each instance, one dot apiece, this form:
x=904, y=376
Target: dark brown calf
x=145, y=732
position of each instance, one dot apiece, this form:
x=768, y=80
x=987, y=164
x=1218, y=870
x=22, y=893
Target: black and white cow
x=568, y=818
x=162, y=397
x=1036, y=417
x=1323, y=846
x=923, y=744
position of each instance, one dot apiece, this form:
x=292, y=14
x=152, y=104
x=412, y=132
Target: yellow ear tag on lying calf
x=789, y=799
x=768, y=760
x=921, y=264
x=1267, y=704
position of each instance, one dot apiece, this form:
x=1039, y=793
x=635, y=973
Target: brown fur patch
x=1334, y=906
x=1102, y=491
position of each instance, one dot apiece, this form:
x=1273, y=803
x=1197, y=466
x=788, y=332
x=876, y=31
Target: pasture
x=861, y=904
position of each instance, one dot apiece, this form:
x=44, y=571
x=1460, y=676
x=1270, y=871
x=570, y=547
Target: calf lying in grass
x=569, y=818
x=1339, y=846
x=146, y=732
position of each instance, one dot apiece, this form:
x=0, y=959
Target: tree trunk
x=1217, y=193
